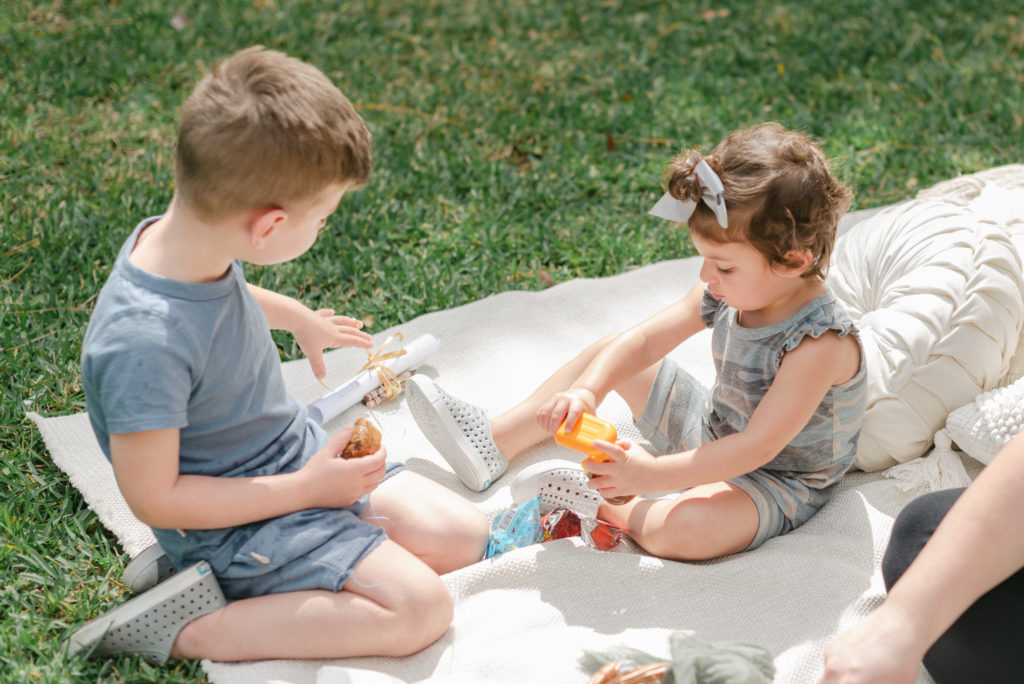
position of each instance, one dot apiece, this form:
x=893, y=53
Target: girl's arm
x=643, y=345
x=805, y=376
x=621, y=358
x=975, y=547
x=314, y=331
x=146, y=467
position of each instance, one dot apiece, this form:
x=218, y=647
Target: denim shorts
x=673, y=421
x=316, y=548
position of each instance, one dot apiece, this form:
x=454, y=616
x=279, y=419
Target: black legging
x=986, y=644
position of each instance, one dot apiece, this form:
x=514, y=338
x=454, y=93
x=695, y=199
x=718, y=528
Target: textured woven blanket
x=528, y=615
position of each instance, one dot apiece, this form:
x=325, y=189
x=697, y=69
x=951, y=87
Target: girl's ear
x=799, y=261
x=263, y=224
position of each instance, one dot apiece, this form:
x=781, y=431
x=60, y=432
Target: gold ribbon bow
x=389, y=382
x=375, y=362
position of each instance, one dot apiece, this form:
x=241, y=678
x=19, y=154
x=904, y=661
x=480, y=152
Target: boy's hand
x=631, y=470
x=334, y=482
x=313, y=330
x=565, y=407
x=324, y=330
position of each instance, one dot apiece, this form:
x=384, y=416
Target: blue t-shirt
x=199, y=358
x=163, y=354
x=160, y=353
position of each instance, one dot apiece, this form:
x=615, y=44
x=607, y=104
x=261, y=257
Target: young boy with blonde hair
x=324, y=557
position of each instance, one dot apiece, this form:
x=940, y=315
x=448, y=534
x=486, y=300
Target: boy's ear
x=263, y=224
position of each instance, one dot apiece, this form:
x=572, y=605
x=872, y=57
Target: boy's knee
x=422, y=618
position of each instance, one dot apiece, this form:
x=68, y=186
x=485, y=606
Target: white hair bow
x=712, y=192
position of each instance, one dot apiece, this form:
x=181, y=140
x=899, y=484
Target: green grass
x=516, y=142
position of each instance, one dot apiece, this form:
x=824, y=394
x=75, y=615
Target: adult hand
x=881, y=649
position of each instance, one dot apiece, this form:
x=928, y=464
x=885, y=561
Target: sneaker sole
x=437, y=424
x=149, y=623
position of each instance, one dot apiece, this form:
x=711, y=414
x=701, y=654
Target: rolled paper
x=352, y=392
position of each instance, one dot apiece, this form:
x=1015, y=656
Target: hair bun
x=683, y=183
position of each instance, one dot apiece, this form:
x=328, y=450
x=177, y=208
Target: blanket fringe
x=941, y=469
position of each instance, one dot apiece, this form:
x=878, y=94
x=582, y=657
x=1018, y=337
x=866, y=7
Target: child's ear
x=263, y=224
x=799, y=261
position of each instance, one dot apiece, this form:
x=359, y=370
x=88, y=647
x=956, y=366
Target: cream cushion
x=938, y=295
x=997, y=194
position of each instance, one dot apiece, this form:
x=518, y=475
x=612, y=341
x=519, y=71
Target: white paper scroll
x=352, y=392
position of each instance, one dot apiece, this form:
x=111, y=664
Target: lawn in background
x=517, y=144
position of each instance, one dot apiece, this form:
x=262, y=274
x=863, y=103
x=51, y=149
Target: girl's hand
x=321, y=330
x=330, y=481
x=631, y=470
x=565, y=407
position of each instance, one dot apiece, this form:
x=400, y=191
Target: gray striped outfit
x=681, y=414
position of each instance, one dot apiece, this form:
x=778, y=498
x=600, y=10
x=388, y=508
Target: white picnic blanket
x=528, y=615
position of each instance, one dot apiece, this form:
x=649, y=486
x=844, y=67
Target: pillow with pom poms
x=982, y=427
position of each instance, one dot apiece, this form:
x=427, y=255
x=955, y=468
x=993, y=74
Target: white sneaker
x=149, y=623
x=460, y=431
x=558, y=487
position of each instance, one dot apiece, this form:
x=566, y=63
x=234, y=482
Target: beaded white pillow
x=981, y=428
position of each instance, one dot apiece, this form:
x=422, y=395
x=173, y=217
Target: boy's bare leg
x=516, y=429
x=704, y=522
x=440, y=528
x=393, y=605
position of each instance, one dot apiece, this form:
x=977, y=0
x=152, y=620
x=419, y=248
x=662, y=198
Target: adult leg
x=983, y=644
x=392, y=605
x=442, y=529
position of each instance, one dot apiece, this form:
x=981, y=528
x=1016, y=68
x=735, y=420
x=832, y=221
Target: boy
x=326, y=557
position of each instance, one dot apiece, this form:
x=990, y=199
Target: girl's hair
x=779, y=194
x=265, y=129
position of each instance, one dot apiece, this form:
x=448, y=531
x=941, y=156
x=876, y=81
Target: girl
x=760, y=452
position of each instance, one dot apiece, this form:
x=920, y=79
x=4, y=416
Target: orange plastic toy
x=581, y=438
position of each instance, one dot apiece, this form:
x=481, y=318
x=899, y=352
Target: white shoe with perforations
x=558, y=486
x=460, y=431
x=149, y=623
